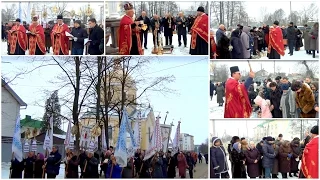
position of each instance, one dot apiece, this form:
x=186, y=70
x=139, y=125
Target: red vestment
x=125, y=36
x=17, y=34
x=213, y=46
x=237, y=100
x=59, y=40
x=310, y=159
x=276, y=41
x=199, y=28
x=37, y=39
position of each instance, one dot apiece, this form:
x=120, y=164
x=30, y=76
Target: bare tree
x=9, y=12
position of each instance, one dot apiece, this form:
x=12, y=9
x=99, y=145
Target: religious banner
x=85, y=137
x=176, y=140
x=34, y=145
x=156, y=142
x=26, y=147
x=165, y=135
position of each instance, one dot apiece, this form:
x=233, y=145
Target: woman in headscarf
x=38, y=166
x=218, y=160
x=182, y=165
x=285, y=155
x=252, y=158
x=296, y=156
x=238, y=160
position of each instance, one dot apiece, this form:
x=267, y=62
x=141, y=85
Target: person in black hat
x=17, y=39
x=199, y=34
x=291, y=38
x=277, y=46
x=129, y=45
x=237, y=93
x=36, y=38
x=310, y=157
x=60, y=42
x=79, y=34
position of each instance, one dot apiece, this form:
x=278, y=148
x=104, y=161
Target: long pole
x=290, y=12
x=19, y=10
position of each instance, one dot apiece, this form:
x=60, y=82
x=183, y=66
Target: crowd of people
x=182, y=25
x=160, y=165
x=38, y=40
x=266, y=159
x=248, y=42
x=270, y=99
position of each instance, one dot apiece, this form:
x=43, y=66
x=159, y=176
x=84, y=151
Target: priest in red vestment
x=59, y=40
x=17, y=38
x=199, y=34
x=237, y=99
x=36, y=38
x=213, y=46
x=276, y=46
x=310, y=156
x=129, y=33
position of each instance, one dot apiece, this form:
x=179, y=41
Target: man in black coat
x=172, y=164
x=291, y=36
x=182, y=23
x=91, y=167
x=96, y=37
x=144, y=33
x=53, y=163
x=28, y=165
x=155, y=26
x=79, y=35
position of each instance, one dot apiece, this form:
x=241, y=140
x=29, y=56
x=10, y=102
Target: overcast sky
x=190, y=102
x=284, y=66
x=253, y=8
x=232, y=127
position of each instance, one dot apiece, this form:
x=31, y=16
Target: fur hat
x=269, y=138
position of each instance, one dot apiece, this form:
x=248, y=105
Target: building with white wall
x=186, y=142
x=11, y=104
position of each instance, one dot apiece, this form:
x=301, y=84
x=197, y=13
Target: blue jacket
x=218, y=158
x=268, y=155
x=236, y=52
x=53, y=163
x=116, y=171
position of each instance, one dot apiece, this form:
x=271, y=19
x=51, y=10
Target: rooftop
x=13, y=94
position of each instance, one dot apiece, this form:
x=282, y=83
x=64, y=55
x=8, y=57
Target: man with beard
x=144, y=33
x=310, y=157
x=36, y=38
x=96, y=35
x=17, y=39
x=237, y=100
x=199, y=34
x=59, y=40
x=182, y=23
x=129, y=33
x=276, y=47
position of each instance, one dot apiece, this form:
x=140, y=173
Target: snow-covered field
x=217, y=112
x=176, y=50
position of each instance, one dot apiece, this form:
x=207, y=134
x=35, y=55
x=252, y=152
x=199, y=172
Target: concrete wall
x=9, y=112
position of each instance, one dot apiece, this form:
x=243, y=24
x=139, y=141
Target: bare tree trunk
x=228, y=14
x=75, y=114
x=221, y=12
x=309, y=72
x=107, y=99
x=98, y=90
x=232, y=13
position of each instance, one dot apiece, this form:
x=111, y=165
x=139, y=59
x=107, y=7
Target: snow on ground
x=297, y=55
x=217, y=112
x=176, y=50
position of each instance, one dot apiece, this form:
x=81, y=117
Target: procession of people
x=267, y=158
x=278, y=98
x=133, y=32
x=246, y=42
x=38, y=39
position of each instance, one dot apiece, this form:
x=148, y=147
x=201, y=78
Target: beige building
x=147, y=117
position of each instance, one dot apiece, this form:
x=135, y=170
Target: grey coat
x=220, y=94
x=314, y=43
x=275, y=168
x=288, y=105
x=306, y=38
x=245, y=40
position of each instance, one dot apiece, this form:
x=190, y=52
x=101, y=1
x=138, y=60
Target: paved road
x=201, y=171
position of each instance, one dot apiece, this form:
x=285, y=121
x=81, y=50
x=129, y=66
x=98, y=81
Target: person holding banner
x=29, y=165
x=90, y=169
x=172, y=163
x=53, y=163
x=39, y=162
x=16, y=169
x=72, y=164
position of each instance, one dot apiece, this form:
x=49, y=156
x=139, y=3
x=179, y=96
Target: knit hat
x=284, y=86
x=315, y=130
x=269, y=138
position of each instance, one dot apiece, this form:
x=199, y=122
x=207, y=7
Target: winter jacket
x=252, y=168
x=316, y=98
x=53, y=163
x=287, y=104
x=16, y=169
x=236, y=44
x=275, y=97
x=28, y=167
x=219, y=35
x=264, y=105
x=218, y=160
x=306, y=38
x=220, y=93
x=91, y=170
x=305, y=101
x=157, y=168
x=245, y=42
x=81, y=34
x=113, y=171
x=223, y=48
x=237, y=163
x=275, y=168
x=314, y=41
x=291, y=35
x=96, y=34
x=73, y=168
x=296, y=155
x=182, y=165
x=268, y=155
x=284, y=160
x=38, y=168
x=128, y=171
